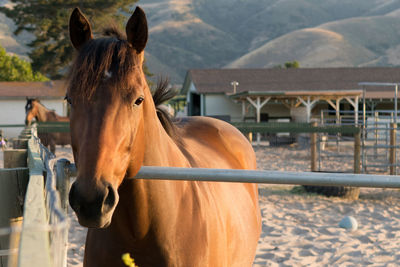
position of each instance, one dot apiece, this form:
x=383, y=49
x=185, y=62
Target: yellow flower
x=126, y=258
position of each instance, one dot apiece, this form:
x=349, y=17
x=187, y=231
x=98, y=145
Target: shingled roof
x=42, y=90
x=291, y=80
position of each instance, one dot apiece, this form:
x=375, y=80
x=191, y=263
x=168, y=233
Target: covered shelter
x=293, y=100
x=284, y=93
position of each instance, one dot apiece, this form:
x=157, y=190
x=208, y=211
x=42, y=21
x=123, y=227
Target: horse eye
x=139, y=101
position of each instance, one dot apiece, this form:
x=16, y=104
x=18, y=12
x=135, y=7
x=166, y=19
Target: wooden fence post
x=357, y=152
x=392, y=150
x=13, y=183
x=63, y=182
x=250, y=137
x=15, y=158
x=18, y=143
x=14, y=241
x=313, y=144
x=35, y=242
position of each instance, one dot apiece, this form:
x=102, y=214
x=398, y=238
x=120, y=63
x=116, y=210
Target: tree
x=292, y=65
x=48, y=22
x=289, y=65
x=12, y=68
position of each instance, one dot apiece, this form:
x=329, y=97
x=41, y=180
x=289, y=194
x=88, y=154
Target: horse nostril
x=109, y=199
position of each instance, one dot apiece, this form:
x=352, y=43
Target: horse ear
x=79, y=29
x=137, y=30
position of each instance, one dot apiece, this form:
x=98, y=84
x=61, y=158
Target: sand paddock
x=302, y=229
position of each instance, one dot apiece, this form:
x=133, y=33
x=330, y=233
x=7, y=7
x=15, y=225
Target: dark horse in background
x=35, y=109
x=116, y=128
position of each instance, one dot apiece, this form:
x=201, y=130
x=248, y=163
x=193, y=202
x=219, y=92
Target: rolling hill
x=264, y=33
x=363, y=41
x=188, y=34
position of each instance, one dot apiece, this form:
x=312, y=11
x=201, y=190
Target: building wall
x=13, y=112
x=221, y=105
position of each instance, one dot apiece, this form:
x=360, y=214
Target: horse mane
x=161, y=94
x=108, y=54
x=112, y=53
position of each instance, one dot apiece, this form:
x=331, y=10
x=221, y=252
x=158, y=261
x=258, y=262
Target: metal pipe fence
x=377, y=143
x=264, y=177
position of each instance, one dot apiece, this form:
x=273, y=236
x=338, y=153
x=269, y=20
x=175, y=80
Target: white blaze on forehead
x=107, y=74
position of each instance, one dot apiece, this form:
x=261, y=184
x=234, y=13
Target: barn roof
x=284, y=81
x=42, y=90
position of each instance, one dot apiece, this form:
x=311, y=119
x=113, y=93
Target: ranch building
x=297, y=95
x=13, y=97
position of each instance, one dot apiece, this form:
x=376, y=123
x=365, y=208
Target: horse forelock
x=110, y=57
x=113, y=31
x=29, y=104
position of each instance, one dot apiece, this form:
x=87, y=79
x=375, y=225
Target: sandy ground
x=302, y=229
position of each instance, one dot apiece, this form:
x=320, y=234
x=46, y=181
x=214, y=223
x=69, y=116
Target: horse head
x=107, y=93
x=31, y=110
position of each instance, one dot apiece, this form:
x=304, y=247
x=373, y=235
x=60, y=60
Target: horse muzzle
x=93, y=210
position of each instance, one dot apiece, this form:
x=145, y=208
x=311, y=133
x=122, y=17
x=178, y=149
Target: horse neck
x=42, y=114
x=160, y=148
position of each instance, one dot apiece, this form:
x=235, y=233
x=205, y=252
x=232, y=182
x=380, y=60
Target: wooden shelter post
x=355, y=106
x=243, y=110
x=258, y=105
x=309, y=105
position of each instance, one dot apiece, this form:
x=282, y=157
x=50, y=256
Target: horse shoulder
x=229, y=209
x=212, y=143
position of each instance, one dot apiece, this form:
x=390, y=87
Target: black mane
x=162, y=94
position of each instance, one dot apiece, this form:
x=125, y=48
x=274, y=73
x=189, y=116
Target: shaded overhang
x=295, y=94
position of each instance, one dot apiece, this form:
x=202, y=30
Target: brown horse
x=35, y=109
x=116, y=128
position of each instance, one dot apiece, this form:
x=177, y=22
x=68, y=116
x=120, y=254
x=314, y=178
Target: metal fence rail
x=266, y=127
x=53, y=126
x=293, y=127
x=265, y=177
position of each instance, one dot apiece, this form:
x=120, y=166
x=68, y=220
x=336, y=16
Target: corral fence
x=276, y=177
x=248, y=128
x=263, y=177
x=378, y=139
x=371, y=143
x=41, y=191
x=315, y=132
x=33, y=185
